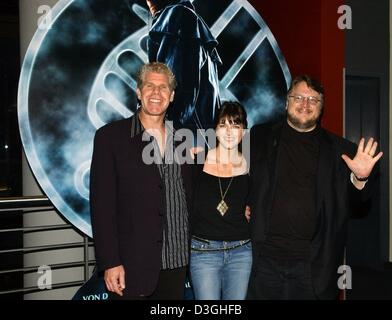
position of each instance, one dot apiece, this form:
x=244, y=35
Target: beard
x=303, y=125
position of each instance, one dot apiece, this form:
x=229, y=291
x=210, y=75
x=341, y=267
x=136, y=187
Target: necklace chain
x=222, y=205
x=223, y=195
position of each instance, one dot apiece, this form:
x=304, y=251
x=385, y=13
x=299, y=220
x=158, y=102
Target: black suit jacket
x=127, y=200
x=336, y=198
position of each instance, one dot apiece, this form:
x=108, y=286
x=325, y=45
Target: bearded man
x=306, y=182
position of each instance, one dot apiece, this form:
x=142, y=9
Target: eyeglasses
x=313, y=101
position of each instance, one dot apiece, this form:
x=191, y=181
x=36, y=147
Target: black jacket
x=127, y=201
x=336, y=199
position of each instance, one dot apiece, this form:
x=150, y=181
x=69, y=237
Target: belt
x=242, y=242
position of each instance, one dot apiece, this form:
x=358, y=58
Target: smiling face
x=155, y=94
x=303, y=115
x=229, y=134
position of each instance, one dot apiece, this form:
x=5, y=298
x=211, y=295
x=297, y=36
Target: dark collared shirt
x=175, y=231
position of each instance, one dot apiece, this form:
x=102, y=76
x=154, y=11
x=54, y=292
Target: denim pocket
x=248, y=245
x=198, y=245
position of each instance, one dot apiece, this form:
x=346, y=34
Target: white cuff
x=352, y=178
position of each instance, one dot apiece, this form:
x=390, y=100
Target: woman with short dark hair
x=221, y=254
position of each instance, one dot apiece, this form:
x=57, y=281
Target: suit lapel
x=324, y=169
x=273, y=154
x=139, y=146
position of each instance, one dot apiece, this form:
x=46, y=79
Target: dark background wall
x=311, y=42
x=10, y=156
x=367, y=60
x=367, y=56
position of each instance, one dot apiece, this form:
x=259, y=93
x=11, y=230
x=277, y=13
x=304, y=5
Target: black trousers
x=280, y=279
x=171, y=285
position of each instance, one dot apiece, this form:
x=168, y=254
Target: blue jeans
x=220, y=270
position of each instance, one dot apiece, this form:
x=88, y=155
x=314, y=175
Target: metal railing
x=25, y=205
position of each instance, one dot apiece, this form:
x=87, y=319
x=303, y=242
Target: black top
x=207, y=222
x=293, y=218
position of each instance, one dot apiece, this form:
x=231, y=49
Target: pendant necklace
x=222, y=206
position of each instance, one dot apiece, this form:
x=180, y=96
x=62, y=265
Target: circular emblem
x=80, y=72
